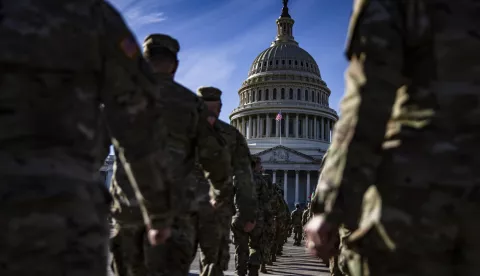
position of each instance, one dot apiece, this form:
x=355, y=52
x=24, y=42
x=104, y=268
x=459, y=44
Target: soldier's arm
x=375, y=52
x=133, y=120
x=245, y=193
x=214, y=157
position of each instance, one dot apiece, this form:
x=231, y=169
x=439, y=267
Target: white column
x=308, y=184
x=328, y=130
x=267, y=134
x=296, y=126
x=243, y=127
x=305, y=133
x=287, y=125
x=258, y=126
x=322, y=134
x=250, y=132
x=315, y=128
x=296, y=186
x=285, y=185
x=274, y=180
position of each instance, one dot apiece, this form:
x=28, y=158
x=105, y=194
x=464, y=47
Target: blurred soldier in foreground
x=296, y=218
x=248, y=247
x=53, y=139
x=241, y=200
x=402, y=171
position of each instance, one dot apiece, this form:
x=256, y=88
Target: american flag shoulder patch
x=129, y=47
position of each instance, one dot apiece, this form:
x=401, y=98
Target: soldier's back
x=57, y=62
x=424, y=59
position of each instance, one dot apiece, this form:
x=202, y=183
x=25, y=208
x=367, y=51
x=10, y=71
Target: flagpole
x=281, y=127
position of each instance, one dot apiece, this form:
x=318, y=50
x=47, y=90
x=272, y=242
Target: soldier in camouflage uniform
x=248, y=252
x=208, y=232
x=280, y=223
x=190, y=138
x=242, y=200
x=296, y=218
x=402, y=171
x=268, y=235
x=65, y=65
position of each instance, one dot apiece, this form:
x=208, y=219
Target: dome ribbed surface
x=284, y=56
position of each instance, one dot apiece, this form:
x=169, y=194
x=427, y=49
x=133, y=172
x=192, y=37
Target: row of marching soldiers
x=216, y=188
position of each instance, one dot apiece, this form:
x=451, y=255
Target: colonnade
x=283, y=177
x=292, y=125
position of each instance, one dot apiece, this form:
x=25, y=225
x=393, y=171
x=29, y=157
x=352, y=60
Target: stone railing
x=283, y=104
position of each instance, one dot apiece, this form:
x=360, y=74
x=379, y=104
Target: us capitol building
x=284, y=113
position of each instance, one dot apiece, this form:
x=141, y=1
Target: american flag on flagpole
x=279, y=116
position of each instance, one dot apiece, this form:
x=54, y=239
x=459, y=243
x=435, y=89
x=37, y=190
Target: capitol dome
x=284, y=113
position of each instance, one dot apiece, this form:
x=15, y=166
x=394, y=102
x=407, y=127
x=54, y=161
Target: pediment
x=281, y=154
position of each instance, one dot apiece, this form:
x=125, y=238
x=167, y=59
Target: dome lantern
x=285, y=27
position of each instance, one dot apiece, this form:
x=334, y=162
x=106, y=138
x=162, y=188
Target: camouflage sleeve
x=214, y=156
x=134, y=123
x=245, y=194
x=375, y=51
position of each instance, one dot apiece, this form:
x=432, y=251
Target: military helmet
x=209, y=93
x=155, y=43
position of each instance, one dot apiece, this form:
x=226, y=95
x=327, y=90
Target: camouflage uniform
x=190, y=138
x=296, y=218
x=208, y=232
x=242, y=200
x=269, y=224
x=280, y=223
x=402, y=171
x=306, y=217
x=245, y=258
x=60, y=62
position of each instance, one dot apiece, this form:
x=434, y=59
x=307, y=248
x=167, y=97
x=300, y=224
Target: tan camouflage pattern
x=402, y=171
x=243, y=201
x=70, y=70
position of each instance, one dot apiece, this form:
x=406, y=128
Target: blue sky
x=220, y=38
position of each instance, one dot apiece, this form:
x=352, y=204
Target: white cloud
x=136, y=17
x=138, y=13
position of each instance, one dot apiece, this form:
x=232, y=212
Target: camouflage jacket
x=243, y=185
x=262, y=195
x=61, y=89
x=190, y=138
x=296, y=217
x=306, y=216
x=411, y=103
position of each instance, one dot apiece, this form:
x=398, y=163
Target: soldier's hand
x=157, y=237
x=321, y=238
x=249, y=226
x=215, y=204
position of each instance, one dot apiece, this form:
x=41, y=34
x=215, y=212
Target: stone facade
x=284, y=113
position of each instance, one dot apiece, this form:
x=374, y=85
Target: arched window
x=270, y=63
x=274, y=93
x=276, y=62
x=296, y=62
x=283, y=62
x=290, y=94
x=264, y=63
x=290, y=62
x=267, y=96
x=299, y=95
x=301, y=63
x=259, y=95
x=306, y=95
x=282, y=94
